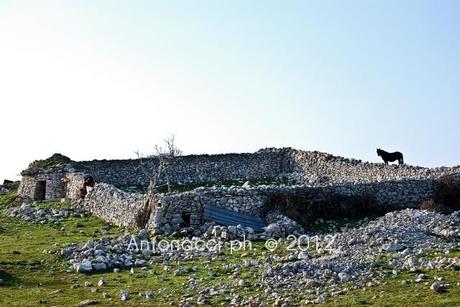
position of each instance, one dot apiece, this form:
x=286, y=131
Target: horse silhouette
x=390, y=156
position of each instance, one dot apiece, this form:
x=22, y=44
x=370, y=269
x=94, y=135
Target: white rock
x=320, y=299
x=124, y=295
x=83, y=267
x=102, y=282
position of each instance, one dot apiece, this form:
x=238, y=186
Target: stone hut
x=45, y=179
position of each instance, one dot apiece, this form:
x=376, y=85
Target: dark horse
x=390, y=156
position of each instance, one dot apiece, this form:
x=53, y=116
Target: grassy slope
x=32, y=274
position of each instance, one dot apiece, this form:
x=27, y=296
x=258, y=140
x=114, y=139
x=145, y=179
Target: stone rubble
x=32, y=213
x=359, y=257
x=402, y=236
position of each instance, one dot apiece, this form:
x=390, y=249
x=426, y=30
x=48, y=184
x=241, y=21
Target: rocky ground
x=408, y=257
x=311, y=267
x=35, y=213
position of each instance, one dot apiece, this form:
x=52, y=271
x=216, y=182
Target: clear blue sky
x=100, y=79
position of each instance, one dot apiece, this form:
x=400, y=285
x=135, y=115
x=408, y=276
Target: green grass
x=393, y=293
x=56, y=204
x=32, y=274
x=49, y=163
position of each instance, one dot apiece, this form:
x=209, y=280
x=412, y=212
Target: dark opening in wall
x=40, y=190
x=306, y=208
x=186, y=219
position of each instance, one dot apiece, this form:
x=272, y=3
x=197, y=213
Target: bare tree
x=155, y=173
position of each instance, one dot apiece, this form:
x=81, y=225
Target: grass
x=47, y=164
x=393, y=293
x=35, y=275
x=54, y=204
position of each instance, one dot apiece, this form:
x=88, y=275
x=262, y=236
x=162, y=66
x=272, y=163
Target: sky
x=102, y=79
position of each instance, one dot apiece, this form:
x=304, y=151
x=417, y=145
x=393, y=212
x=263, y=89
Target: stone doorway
x=40, y=190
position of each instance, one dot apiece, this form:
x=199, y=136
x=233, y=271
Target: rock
x=3, y=191
x=124, y=295
x=87, y=303
x=143, y=235
x=148, y=294
x=420, y=277
x=84, y=267
x=302, y=256
x=201, y=300
x=343, y=277
x=438, y=288
x=102, y=282
x=67, y=251
x=394, y=247
x=320, y=299
x=99, y=266
x=88, y=284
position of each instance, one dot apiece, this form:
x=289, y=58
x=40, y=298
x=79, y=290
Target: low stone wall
x=171, y=208
x=115, y=206
x=383, y=196
x=175, y=210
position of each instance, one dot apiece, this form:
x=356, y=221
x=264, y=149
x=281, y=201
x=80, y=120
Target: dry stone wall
x=320, y=168
x=313, y=174
x=301, y=167
x=268, y=163
x=173, y=209
x=115, y=206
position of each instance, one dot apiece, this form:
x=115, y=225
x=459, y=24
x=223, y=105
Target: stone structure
x=316, y=180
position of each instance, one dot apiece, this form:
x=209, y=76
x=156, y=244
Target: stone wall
x=267, y=163
x=388, y=195
x=116, y=206
x=74, y=181
x=172, y=207
x=313, y=167
x=301, y=167
x=320, y=179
